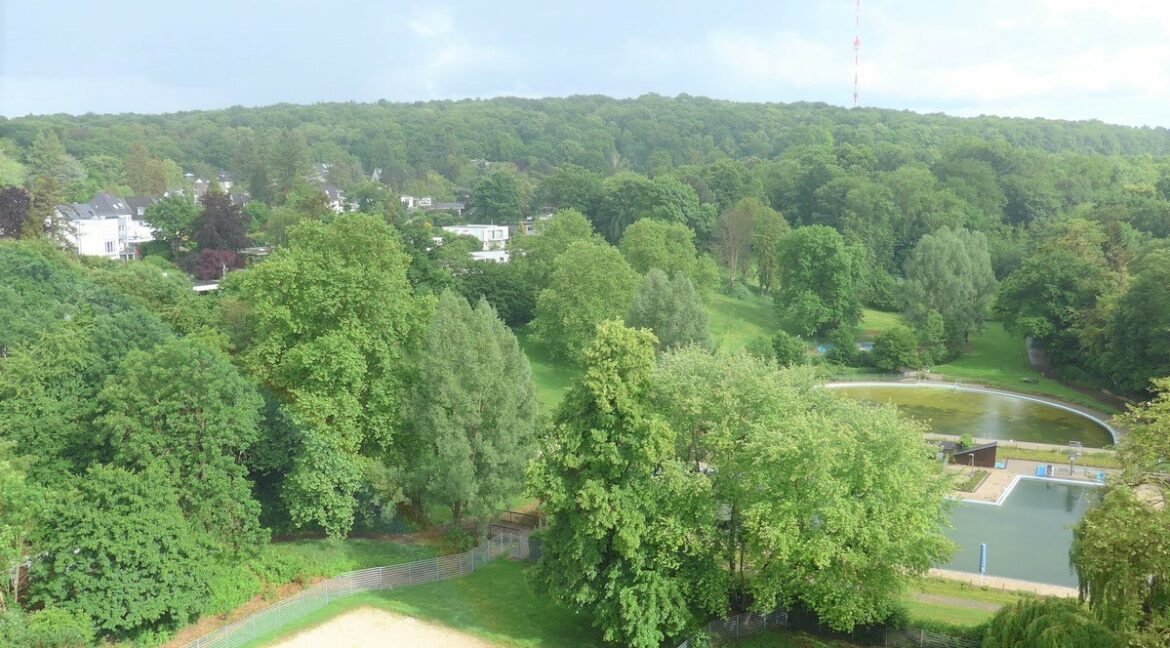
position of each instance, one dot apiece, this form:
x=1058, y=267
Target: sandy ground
x=1010, y=584
x=371, y=628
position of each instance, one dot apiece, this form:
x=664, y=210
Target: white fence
x=318, y=596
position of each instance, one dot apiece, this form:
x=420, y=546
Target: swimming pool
x=1028, y=536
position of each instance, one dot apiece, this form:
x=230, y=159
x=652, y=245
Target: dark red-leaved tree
x=14, y=203
x=220, y=226
x=211, y=264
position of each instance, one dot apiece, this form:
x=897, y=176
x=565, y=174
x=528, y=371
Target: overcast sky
x=1069, y=59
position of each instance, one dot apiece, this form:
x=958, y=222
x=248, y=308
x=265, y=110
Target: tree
x=220, y=226
x=628, y=541
x=733, y=234
x=184, y=408
x=670, y=247
x=768, y=230
x=590, y=284
x=474, y=414
x=895, y=349
x=572, y=187
x=842, y=540
x=1047, y=623
x=14, y=206
x=789, y=350
x=627, y=197
x=819, y=278
x=538, y=253
x=1137, y=330
x=12, y=173
x=508, y=287
x=950, y=272
x=173, y=220
x=672, y=310
x=1121, y=548
x=497, y=197
x=117, y=549
x=332, y=318
x=21, y=504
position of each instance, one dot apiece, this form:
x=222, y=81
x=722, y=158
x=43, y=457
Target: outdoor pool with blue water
x=1028, y=536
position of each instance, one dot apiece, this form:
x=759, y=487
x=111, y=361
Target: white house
x=491, y=237
x=106, y=226
x=498, y=256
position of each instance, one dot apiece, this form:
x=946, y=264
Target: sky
x=1061, y=59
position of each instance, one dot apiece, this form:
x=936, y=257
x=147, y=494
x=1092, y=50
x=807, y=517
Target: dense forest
x=361, y=374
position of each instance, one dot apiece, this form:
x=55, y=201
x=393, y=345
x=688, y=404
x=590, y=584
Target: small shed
x=982, y=456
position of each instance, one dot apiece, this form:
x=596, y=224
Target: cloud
x=786, y=57
x=431, y=22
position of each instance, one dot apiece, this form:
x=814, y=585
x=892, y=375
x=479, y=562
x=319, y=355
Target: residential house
x=491, y=237
x=106, y=226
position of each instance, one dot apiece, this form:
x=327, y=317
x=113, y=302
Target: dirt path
x=372, y=628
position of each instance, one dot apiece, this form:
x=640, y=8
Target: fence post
x=326, y=590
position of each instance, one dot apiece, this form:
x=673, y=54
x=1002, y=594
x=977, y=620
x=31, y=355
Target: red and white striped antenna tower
x=856, y=49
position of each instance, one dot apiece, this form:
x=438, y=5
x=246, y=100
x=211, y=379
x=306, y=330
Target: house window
x=109, y=247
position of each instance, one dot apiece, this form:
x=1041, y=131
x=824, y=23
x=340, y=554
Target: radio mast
x=856, y=49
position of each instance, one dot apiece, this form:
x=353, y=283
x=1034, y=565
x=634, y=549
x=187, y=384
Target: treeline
x=151, y=439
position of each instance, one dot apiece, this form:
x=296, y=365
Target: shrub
x=894, y=349
x=57, y=628
x=788, y=350
x=1048, y=623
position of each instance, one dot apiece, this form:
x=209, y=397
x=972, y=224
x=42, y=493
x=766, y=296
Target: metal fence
x=732, y=628
x=318, y=596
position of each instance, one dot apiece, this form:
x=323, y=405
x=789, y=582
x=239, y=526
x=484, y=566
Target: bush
x=231, y=586
x=788, y=350
x=894, y=349
x=277, y=568
x=56, y=628
x=1048, y=623
x=844, y=351
x=457, y=541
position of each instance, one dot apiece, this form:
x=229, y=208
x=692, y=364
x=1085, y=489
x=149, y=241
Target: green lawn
x=495, y=603
x=875, y=322
x=944, y=612
x=734, y=323
x=999, y=359
x=550, y=375
x=780, y=639
x=331, y=557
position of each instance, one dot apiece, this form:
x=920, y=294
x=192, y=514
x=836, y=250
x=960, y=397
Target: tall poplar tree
x=474, y=415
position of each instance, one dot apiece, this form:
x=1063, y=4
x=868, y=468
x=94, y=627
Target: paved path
x=1008, y=584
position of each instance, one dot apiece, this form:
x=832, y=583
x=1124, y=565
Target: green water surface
x=1027, y=537
x=985, y=416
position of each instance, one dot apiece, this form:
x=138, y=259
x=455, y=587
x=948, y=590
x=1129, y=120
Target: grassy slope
x=997, y=358
x=733, y=324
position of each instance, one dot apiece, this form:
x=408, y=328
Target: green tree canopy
x=497, y=198
x=1048, y=623
x=184, y=408
x=629, y=541
x=331, y=320
x=819, y=281
x=173, y=220
x=670, y=247
x=473, y=421
x=590, y=284
x=895, y=348
x=671, y=309
x=117, y=548
x=949, y=271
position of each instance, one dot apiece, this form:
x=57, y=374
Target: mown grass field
x=937, y=601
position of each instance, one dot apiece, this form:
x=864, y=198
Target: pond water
x=1027, y=537
x=984, y=415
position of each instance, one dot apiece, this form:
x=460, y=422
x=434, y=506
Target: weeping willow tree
x=1121, y=549
x=1048, y=623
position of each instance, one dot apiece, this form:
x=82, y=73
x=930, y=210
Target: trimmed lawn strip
x=551, y=376
x=1056, y=457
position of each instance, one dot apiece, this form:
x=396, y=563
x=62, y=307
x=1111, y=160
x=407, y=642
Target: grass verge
x=1087, y=459
x=937, y=602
